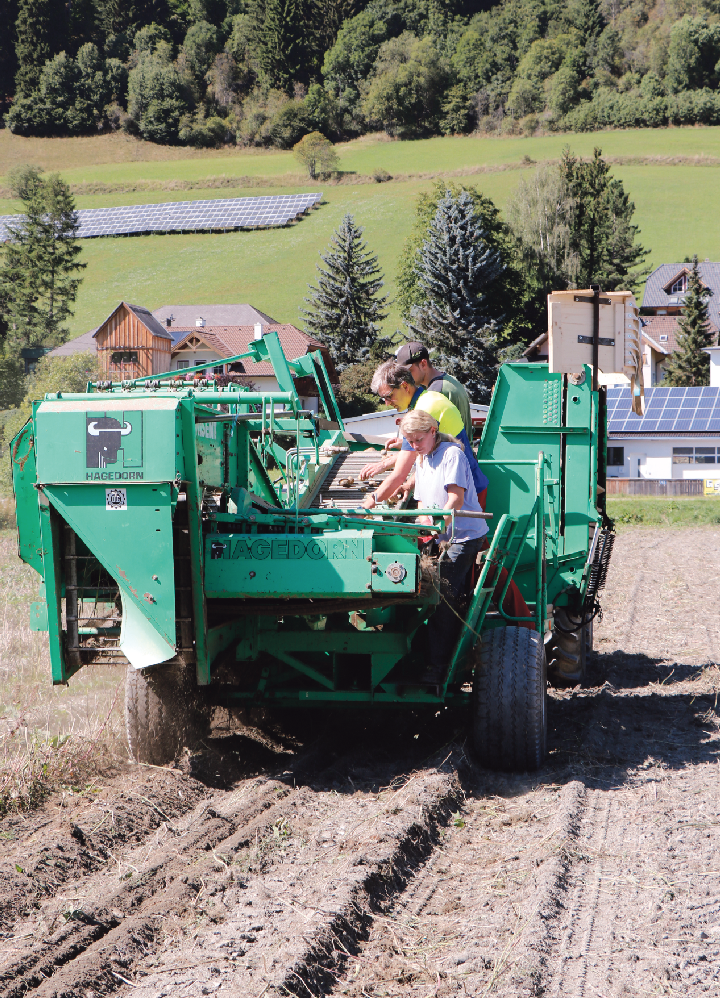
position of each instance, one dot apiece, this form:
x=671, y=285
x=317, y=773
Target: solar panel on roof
x=666, y=410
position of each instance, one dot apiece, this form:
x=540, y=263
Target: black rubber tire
x=164, y=713
x=509, y=704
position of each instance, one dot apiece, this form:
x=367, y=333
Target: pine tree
x=346, y=307
x=282, y=45
x=8, y=63
x=601, y=237
x=455, y=268
x=38, y=282
x=689, y=365
x=40, y=30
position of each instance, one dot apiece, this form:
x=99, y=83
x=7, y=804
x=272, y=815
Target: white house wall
x=655, y=458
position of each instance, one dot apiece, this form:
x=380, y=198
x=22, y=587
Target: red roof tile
x=228, y=341
x=656, y=326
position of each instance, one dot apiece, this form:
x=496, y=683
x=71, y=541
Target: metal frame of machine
x=173, y=521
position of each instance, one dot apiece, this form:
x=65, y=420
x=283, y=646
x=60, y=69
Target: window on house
x=182, y=364
x=664, y=338
x=124, y=357
x=218, y=370
x=615, y=456
x=694, y=455
x=679, y=286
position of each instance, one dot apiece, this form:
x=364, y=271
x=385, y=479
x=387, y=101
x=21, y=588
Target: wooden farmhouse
x=131, y=343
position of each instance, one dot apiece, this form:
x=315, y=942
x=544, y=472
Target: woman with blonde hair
x=443, y=480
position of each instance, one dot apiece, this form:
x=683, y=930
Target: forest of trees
x=268, y=72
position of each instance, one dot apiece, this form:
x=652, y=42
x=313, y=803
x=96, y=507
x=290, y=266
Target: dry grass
x=96, y=150
x=49, y=735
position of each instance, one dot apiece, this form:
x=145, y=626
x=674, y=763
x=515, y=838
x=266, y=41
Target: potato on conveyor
x=347, y=483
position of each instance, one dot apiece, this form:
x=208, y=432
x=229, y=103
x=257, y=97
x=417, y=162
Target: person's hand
x=369, y=502
x=370, y=470
x=427, y=521
x=395, y=443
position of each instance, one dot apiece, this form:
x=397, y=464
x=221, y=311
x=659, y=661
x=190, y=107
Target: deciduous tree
x=316, y=153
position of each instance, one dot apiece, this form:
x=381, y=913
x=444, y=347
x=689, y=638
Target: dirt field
x=377, y=860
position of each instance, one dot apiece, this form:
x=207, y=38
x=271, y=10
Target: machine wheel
x=163, y=713
x=568, y=653
x=510, y=700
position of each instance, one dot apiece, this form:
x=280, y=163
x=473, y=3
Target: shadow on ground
x=615, y=727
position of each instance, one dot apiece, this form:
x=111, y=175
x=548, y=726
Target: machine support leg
x=194, y=502
x=51, y=566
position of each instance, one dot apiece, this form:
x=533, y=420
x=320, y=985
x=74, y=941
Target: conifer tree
x=455, y=268
x=600, y=232
x=689, y=365
x=8, y=63
x=282, y=45
x=40, y=32
x=38, y=280
x=346, y=307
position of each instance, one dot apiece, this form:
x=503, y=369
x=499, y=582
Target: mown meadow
x=672, y=175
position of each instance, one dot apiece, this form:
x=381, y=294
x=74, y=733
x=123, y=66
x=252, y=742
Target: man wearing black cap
x=415, y=356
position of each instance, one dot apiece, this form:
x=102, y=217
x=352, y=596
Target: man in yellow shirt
x=395, y=385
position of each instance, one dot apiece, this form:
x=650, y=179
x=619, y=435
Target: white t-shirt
x=447, y=465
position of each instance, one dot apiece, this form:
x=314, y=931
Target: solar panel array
x=687, y=410
x=219, y=214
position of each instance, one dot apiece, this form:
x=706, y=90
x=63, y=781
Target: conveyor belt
x=329, y=492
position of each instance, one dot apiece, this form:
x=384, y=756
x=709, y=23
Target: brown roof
x=656, y=326
x=143, y=315
x=228, y=341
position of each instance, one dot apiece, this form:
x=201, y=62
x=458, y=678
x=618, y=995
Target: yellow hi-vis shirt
x=441, y=408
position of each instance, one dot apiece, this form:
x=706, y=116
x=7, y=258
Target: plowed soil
x=374, y=858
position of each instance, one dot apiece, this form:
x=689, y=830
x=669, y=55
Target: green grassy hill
x=673, y=175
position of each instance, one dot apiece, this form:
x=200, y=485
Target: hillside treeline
x=267, y=72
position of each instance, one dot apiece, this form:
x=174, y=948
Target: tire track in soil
x=460, y=924
x=368, y=871
x=124, y=916
x=117, y=925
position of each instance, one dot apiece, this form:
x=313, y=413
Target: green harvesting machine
x=211, y=539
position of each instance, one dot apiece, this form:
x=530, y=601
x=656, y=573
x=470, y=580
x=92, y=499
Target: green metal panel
x=24, y=473
x=520, y=402
x=580, y=471
x=39, y=616
x=209, y=445
x=326, y=565
x=402, y=577
x=107, y=439
x=132, y=541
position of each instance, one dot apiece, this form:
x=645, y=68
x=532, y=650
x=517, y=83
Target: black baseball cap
x=411, y=353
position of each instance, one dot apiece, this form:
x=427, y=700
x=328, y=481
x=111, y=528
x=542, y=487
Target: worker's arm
x=403, y=464
x=455, y=500
x=376, y=468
